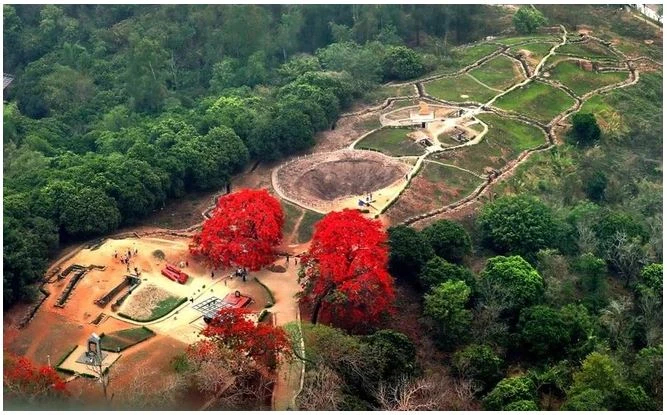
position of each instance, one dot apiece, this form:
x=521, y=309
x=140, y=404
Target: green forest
x=116, y=109
x=548, y=297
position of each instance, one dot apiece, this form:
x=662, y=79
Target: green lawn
x=538, y=50
x=504, y=141
x=499, y=73
x=581, y=81
x=537, y=100
x=590, y=50
x=292, y=214
x=452, y=89
x=121, y=340
x=509, y=41
x=458, y=182
x=306, y=228
x=391, y=141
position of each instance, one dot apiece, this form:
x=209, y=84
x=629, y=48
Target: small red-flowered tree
x=243, y=231
x=238, y=355
x=234, y=329
x=24, y=382
x=345, y=276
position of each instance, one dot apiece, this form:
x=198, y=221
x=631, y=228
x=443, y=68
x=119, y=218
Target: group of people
x=126, y=258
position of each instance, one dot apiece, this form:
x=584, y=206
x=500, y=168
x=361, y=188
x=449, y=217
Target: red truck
x=175, y=274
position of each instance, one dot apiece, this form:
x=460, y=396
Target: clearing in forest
x=469, y=55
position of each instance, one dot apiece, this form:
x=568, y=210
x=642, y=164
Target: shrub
x=449, y=240
x=480, y=364
x=510, y=390
x=585, y=129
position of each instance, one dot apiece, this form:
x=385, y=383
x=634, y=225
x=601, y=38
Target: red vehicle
x=175, y=274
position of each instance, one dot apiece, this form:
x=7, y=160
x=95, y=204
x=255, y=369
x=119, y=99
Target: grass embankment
x=120, y=340
x=536, y=100
x=391, y=141
x=163, y=308
x=581, y=81
x=509, y=41
x=589, y=50
x=463, y=57
x=378, y=95
x=306, y=228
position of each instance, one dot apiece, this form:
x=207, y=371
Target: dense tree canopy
x=446, y=304
x=601, y=385
x=243, y=230
x=481, y=364
x=518, y=224
x=527, y=19
x=409, y=252
x=449, y=240
x=520, y=283
x=510, y=391
x=437, y=270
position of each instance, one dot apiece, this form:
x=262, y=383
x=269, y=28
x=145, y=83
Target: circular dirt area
x=321, y=180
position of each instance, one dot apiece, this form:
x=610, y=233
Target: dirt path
x=285, y=286
x=293, y=237
x=466, y=204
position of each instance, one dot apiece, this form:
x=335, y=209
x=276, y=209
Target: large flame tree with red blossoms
x=24, y=382
x=345, y=276
x=243, y=231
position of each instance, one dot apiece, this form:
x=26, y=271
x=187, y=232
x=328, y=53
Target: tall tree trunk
x=318, y=304
x=316, y=310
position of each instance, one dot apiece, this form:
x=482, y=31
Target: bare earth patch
x=322, y=181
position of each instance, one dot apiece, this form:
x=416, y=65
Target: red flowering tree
x=238, y=354
x=24, y=382
x=345, y=274
x=234, y=329
x=243, y=230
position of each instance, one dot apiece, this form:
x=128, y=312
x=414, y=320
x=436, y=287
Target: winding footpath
x=536, y=75
x=472, y=109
